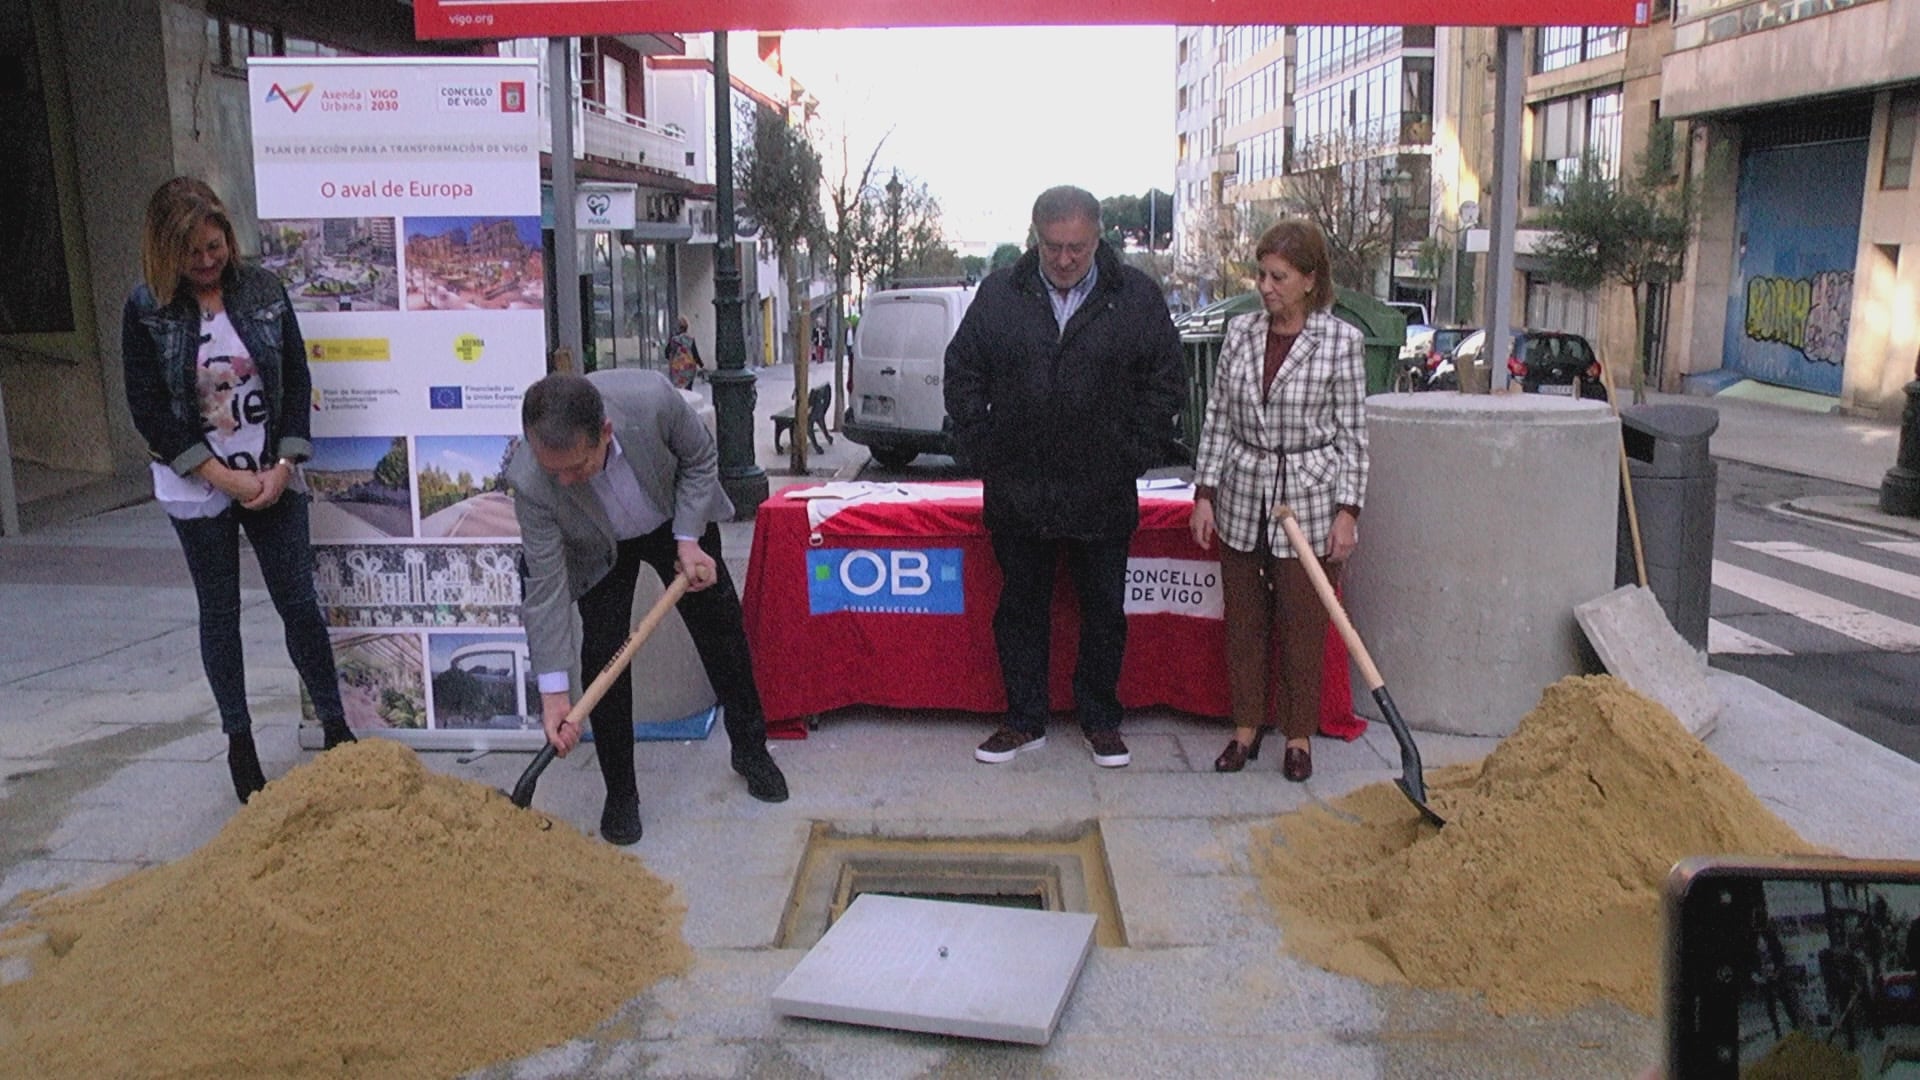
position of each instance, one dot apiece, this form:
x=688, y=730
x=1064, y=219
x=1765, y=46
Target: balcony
x=613, y=135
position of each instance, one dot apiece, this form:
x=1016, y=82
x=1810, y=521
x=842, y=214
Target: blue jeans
x=278, y=536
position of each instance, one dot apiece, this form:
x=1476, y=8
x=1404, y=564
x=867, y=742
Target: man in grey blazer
x=616, y=470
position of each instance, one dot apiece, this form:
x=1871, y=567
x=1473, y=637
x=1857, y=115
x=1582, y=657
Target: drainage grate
x=1064, y=871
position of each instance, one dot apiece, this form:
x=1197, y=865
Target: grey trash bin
x=1674, y=482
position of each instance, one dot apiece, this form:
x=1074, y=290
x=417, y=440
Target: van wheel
x=895, y=459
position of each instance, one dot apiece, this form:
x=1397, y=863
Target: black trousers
x=1023, y=626
x=712, y=617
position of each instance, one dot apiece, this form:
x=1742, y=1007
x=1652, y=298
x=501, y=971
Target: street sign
x=589, y=18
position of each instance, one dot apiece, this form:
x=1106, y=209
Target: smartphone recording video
x=1803, y=968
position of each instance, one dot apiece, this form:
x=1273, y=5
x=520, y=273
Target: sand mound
x=360, y=917
x=1543, y=891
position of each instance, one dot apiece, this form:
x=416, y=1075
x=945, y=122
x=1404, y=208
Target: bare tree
x=849, y=209
x=1216, y=252
x=1335, y=195
x=777, y=172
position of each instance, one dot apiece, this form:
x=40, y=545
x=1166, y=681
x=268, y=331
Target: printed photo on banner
x=474, y=263
x=334, y=264
x=482, y=681
x=463, y=486
x=360, y=488
x=418, y=585
x=382, y=681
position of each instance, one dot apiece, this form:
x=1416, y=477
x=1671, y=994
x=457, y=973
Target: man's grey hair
x=1063, y=202
x=561, y=410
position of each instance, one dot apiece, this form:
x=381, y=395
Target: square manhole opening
x=1063, y=871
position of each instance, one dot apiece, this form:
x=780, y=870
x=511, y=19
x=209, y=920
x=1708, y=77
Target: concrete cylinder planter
x=1488, y=518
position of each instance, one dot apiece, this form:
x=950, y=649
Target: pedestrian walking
x=683, y=356
x=217, y=383
x=1063, y=381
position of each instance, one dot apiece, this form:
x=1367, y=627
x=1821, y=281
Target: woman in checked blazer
x=1285, y=424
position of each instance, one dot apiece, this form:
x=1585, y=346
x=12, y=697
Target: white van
x=896, y=392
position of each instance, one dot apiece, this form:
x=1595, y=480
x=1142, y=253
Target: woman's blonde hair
x=177, y=208
x=1304, y=246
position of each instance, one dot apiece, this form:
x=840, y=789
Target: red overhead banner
x=594, y=18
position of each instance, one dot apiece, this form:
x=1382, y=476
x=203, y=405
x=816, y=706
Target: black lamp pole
x=894, y=189
x=1392, y=183
x=734, y=395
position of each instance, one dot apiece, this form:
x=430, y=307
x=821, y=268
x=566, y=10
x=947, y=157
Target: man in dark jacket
x=1062, y=382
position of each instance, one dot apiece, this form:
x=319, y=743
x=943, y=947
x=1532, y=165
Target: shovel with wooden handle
x=1412, y=781
x=522, y=794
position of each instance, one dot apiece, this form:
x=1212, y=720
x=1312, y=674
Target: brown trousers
x=1276, y=640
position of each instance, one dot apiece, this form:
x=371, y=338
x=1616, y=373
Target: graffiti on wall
x=1809, y=314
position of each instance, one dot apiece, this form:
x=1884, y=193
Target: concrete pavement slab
x=1638, y=646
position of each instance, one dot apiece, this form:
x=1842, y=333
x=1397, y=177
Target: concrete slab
x=1637, y=644
x=951, y=969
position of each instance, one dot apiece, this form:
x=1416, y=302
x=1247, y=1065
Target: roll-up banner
x=399, y=203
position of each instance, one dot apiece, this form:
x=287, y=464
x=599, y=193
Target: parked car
x=896, y=392
x=1543, y=361
x=1439, y=348
x=1213, y=318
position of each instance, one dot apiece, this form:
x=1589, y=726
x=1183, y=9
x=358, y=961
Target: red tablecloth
x=809, y=663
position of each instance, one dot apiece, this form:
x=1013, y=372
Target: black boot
x=243, y=761
x=336, y=733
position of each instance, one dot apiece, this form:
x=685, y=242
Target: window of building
x=1568, y=131
x=231, y=43
x=1553, y=306
x=1556, y=47
x=1896, y=169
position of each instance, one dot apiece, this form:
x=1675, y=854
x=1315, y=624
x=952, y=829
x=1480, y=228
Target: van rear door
x=899, y=356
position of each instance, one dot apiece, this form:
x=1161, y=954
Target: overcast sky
x=988, y=117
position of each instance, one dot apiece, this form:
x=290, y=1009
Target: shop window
x=1896, y=169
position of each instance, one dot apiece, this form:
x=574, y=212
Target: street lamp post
x=1397, y=187
x=894, y=188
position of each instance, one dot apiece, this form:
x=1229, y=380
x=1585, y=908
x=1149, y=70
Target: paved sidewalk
x=111, y=759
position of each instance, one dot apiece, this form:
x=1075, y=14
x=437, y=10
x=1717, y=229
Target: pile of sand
x=360, y=917
x=1543, y=890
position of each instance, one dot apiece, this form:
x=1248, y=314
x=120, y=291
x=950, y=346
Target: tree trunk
x=802, y=362
x=1637, y=378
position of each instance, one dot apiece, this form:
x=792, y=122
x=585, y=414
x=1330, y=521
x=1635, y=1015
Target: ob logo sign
x=899, y=581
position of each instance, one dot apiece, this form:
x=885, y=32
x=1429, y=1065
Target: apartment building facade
x=1361, y=110
x=1805, y=270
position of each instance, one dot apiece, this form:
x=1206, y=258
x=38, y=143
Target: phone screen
x=1809, y=977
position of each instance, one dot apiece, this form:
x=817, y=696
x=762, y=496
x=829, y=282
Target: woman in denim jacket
x=216, y=376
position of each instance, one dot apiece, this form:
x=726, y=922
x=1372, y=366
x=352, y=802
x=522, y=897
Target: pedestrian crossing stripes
x=1869, y=628
x=1724, y=640
x=1860, y=570
x=1909, y=548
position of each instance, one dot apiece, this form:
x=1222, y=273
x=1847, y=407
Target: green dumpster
x=1385, y=330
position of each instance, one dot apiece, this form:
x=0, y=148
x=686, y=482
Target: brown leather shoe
x=1297, y=766
x=1233, y=758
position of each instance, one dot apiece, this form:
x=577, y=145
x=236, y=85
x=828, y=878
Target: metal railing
x=620, y=136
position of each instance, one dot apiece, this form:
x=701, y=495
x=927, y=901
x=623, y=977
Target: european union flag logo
x=444, y=397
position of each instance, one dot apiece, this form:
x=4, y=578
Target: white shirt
x=630, y=511
x=233, y=416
